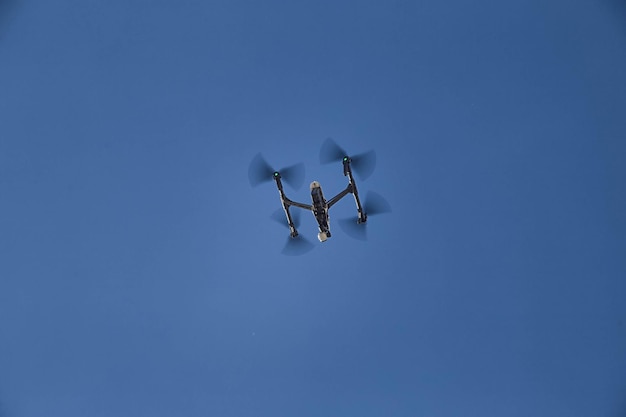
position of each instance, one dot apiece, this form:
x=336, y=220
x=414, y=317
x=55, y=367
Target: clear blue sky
x=140, y=273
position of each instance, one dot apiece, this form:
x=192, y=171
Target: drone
x=260, y=171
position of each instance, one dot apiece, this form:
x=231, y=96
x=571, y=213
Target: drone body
x=260, y=171
x=320, y=210
x=319, y=205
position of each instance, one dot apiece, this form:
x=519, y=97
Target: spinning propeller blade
x=261, y=171
x=293, y=175
x=298, y=245
x=374, y=204
x=331, y=152
x=363, y=163
x=353, y=229
x=279, y=217
x=294, y=246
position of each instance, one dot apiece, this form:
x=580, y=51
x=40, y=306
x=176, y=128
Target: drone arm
x=288, y=202
x=347, y=171
x=292, y=227
x=339, y=196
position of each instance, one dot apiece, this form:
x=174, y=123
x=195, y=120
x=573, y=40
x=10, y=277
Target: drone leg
x=286, y=203
x=292, y=226
x=361, y=215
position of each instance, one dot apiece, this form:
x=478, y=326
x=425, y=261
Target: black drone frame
x=320, y=206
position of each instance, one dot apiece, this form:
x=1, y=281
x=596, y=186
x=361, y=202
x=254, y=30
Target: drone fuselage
x=320, y=206
x=320, y=211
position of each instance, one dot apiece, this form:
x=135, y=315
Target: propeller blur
x=260, y=171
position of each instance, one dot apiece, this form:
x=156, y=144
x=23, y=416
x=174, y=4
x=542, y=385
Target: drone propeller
x=279, y=217
x=363, y=163
x=374, y=204
x=296, y=246
x=261, y=171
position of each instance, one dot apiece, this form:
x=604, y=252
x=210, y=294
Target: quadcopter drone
x=260, y=171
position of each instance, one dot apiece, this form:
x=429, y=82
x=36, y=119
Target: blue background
x=140, y=273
